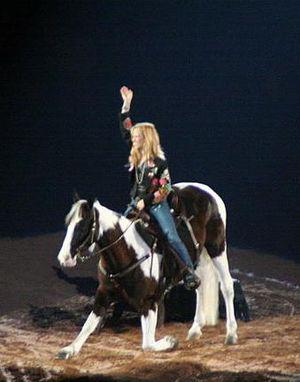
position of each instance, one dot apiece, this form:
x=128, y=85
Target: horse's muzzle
x=67, y=261
x=70, y=263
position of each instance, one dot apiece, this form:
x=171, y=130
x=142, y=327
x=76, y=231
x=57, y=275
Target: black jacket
x=153, y=177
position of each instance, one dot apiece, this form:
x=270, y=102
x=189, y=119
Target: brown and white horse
x=128, y=267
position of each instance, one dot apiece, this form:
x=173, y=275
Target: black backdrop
x=220, y=79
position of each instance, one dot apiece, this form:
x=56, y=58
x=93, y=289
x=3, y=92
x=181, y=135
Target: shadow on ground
x=86, y=286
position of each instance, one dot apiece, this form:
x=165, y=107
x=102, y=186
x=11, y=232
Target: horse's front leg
x=148, y=322
x=94, y=319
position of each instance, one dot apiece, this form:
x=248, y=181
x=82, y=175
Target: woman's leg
x=161, y=213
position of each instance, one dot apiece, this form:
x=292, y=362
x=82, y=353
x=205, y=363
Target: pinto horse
x=130, y=268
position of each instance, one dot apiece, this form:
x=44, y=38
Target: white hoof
x=66, y=353
x=173, y=342
x=165, y=344
x=231, y=339
x=194, y=333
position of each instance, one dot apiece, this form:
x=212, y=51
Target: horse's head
x=79, y=236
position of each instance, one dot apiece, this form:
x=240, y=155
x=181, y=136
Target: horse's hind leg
x=94, y=319
x=221, y=264
x=199, y=319
x=207, y=297
x=148, y=322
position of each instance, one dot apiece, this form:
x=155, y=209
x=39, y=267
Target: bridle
x=88, y=241
x=92, y=237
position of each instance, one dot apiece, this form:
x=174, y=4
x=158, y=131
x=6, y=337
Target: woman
x=150, y=180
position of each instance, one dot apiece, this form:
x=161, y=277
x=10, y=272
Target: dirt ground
x=43, y=309
x=266, y=351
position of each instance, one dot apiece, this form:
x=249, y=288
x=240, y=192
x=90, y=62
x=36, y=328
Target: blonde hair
x=151, y=146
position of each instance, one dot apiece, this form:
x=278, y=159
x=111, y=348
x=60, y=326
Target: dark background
x=220, y=79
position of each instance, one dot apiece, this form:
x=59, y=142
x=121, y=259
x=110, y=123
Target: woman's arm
x=164, y=185
x=124, y=117
x=127, y=95
x=160, y=189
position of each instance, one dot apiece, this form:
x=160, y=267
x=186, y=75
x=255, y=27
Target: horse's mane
x=108, y=217
x=76, y=207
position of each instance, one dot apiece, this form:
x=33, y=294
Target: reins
x=85, y=258
x=123, y=272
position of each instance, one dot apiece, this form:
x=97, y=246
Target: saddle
x=153, y=236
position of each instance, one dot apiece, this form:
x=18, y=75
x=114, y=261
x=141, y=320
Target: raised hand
x=127, y=95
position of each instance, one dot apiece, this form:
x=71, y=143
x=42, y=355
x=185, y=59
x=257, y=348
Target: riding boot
x=190, y=279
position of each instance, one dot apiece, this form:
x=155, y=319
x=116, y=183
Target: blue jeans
x=162, y=214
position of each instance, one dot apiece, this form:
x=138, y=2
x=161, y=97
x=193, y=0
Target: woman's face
x=137, y=139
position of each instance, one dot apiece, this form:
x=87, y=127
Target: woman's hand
x=127, y=95
x=140, y=205
x=158, y=197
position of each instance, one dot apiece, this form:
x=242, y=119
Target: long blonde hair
x=151, y=146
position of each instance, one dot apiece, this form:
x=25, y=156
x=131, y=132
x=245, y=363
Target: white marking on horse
x=148, y=323
x=64, y=257
x=108, y=219
x=134, y=240
x=226, y=281
x=74, y=348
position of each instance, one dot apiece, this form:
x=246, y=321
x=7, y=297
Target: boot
x=190, y=279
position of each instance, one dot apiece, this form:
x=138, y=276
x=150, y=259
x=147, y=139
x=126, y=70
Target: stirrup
x=191, y=281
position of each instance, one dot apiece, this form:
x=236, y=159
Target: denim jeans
x=162, y=214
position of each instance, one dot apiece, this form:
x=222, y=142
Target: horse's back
x=201, y=197
x=207, y=213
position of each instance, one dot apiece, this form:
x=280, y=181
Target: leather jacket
x=151, y=180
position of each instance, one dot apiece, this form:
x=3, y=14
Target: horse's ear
x=90, y=202
x=76, y=196
x=85, y=210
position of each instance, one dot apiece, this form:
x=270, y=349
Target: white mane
x=108, y=218
x=74, y=212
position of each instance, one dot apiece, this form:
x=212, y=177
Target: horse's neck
x=108, y=219
x=116, y=225
x=115, y=238
x=113, y=227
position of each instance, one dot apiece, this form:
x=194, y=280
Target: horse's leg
x=199, y=318
x=148, y=322
x=221, y=264
x=94, y=319
x=207, y=297
x=87, y=329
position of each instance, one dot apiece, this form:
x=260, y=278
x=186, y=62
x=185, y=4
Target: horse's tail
x=209, y=289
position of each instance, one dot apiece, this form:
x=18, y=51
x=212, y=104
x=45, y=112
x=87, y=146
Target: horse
x=130, y=268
